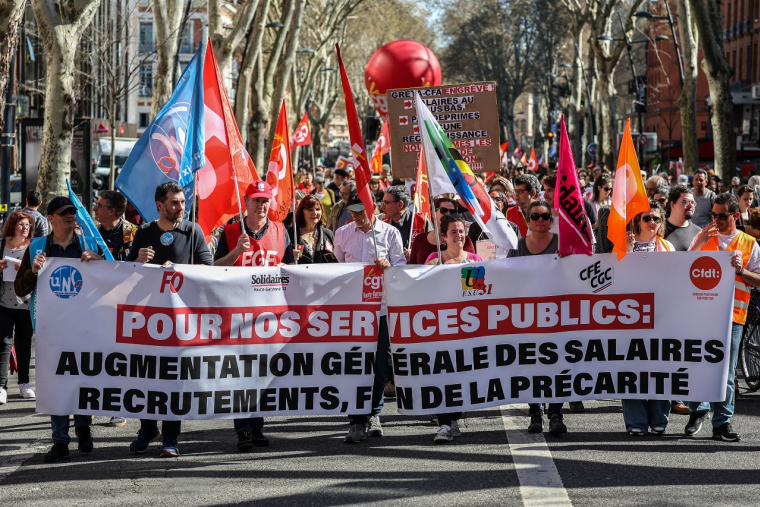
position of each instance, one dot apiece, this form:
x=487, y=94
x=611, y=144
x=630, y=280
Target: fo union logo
x=474, y=281
x=66, y=282
x=372, y=287
x=598, y=275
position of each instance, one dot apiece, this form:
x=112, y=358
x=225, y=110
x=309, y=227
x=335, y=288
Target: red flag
x=575, y=236
x=302, y=135
x=385, y=135
x=226, y=157
x=280, y=171
x=381, y=148
x=532, y=162
x=421, y=192
x=362, y=173
x=343, y=163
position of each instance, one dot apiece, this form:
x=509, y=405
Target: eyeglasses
x=497, y=199
x=686, y=203
x=446, y=211
x=520, y=190
x=607, y=189
x=720, y=216
x=97, y=205
x=543, y=216
x=68, y=211
x=648, y=218
x=387, y=202
x=663, y=201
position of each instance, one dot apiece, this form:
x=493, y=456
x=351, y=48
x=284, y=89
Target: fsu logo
x=474, y=281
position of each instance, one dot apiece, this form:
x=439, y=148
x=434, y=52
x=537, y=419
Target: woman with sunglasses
x=540, y=241
x=425, y=244
x=648, y=231
x=602, y=192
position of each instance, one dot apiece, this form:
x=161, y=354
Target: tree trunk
x=167, y=17
x=574, y=106
x=10, y=17
x=606, y=150
x=60, y=28
x=687, y=102
x=112, y=121
x=225, y=47
x=707, y=18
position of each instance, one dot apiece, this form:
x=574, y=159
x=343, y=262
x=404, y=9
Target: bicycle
x=749, y=351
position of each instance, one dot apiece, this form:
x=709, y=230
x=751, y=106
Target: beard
x=688, y=215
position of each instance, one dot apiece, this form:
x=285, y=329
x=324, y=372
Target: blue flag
x=89, y=230
x=171, y=148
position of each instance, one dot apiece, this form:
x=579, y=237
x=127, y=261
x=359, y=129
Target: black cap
x=58, y=204
x=355, y=204
x=341, y=172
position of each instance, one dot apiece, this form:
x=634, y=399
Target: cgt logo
x=173, y=280
x=372, y=288
x=66, y=282
x=474, y=281
x=705, y=273
x=598, y=275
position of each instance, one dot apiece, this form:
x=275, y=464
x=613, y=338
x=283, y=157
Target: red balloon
x=400, y=64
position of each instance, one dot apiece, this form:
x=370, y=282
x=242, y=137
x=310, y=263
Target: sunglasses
x=607, y=189
x=543, y=216
x=648, y=219
x=663, y=201
x=68, y=211
x=446, y=211
x=720, y=216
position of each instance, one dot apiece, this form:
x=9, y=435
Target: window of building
x=145, y=89
x=142, y=121
x=187, y=39
x=739, y=73
x=146, y=37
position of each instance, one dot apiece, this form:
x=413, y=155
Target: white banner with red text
x=544, y=328
x=199, y=342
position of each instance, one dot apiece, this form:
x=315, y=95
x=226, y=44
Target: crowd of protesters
x=330, y=224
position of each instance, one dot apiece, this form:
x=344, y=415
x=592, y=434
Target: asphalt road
x=308, y=464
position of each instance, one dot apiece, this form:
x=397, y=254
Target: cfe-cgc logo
x=372, y=287
x=474, y=281
x=66, y=282
x=598, y=275
x=705, y=274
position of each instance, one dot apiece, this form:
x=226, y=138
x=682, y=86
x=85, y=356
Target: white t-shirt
x=723, y=242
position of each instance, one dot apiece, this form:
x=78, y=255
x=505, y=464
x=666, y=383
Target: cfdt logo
x=66, y=282
x=474, y=281
x=598, y=275
x=705, y=273
x=372, y=287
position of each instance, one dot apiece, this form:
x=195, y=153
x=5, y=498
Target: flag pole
x=194, y=213
x=374, y=236
x=434, y=216
x=237, y=193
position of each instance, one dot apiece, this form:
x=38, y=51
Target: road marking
x=540, y=483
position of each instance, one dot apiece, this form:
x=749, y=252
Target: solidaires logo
x=66, y=282
x=474, y=281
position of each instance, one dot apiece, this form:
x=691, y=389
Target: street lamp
x=669, y=18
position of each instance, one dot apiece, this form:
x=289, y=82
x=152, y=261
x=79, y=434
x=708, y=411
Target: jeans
x=21, y=321
x=60, y=425
x=447, y=418
x=645, y=414
x=170, y=430
x=723, y=410
x=248, y=423
x=554, y=408
x=382, y=362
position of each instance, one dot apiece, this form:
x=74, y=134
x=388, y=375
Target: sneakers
x=390, y=390
x=658, y=430
x=444, y=435
x=635, y=432
x=58, y=452
x=170, y=449
x=375, y=429
x=576, y=407
x=455, y=430
x=3, y=396
x=356, y=433
x=117, y=421
x=258, y=438
x=536, y=423
x=695, y=423
x=725, y=432
x=556, y=426
x=245, y=442
x=26, y=391
x=144, y=439
x=84, y=435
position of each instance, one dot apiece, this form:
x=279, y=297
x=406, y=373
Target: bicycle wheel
x=749, y=354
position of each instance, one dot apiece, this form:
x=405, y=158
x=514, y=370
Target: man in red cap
x=265, y=243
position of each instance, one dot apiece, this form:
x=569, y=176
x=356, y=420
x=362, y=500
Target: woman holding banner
x=540, y=241
x=314, y=244
x=639, y=415
x=425, y=244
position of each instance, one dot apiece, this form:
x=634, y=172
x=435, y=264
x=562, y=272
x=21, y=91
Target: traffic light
x=550, y=136
x=371, y=128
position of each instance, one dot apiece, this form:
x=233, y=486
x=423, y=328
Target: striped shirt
x=353, y=245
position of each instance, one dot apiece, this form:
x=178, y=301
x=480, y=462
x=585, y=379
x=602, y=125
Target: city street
x=495, y=462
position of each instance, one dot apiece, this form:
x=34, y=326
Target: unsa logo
x=705, y=273
x=66, y=282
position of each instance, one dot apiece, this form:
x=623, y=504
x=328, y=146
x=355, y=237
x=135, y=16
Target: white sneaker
x=26, y=391
x=3, y=396
x=444, y=435
x=455, y=431
x=375, y=428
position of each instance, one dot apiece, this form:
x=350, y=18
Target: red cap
x=259, y=189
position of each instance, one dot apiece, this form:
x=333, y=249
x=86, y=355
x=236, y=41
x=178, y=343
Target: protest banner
x=198, y=342
x=466, y=112
x=544, y=328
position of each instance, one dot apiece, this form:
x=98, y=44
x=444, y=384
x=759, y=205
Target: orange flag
x=421, y=192
x=532, y=161
x=629, y=197
x=381, y=148
x=280, y=170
